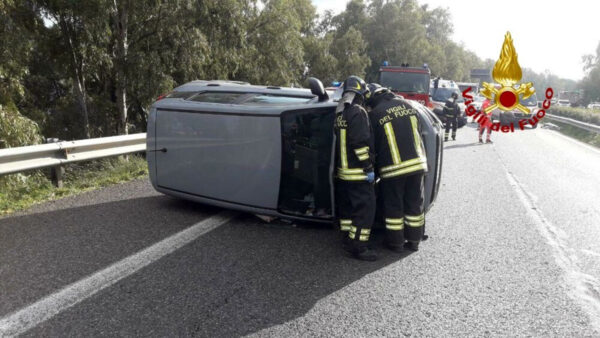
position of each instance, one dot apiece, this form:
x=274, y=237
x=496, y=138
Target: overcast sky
x=548, y=35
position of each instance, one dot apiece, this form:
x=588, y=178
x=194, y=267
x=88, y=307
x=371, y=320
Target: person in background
x=482, y=128
x=451, y=112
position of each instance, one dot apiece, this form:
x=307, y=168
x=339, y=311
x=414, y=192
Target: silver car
x=263, y=150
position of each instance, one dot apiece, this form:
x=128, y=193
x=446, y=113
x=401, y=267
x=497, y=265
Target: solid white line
x=22, y=320
x=585, y=288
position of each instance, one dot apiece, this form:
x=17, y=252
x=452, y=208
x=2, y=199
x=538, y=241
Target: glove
x=371, y=177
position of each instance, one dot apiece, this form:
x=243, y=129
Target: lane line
x=27, y=318
x=585, y=288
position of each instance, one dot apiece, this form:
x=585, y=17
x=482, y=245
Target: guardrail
x=587, y=126
x=14, y=160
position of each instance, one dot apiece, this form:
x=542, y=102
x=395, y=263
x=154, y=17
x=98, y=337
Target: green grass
x=579, y=134
x=20, y=191
x=580, y=114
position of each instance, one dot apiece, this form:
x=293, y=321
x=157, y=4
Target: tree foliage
x=92, y=68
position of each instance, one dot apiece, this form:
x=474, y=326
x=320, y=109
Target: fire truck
x=410, y=82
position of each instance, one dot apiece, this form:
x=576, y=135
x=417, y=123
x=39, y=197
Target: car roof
x=241, y=87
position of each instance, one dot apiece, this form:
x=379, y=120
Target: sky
x=548, y=35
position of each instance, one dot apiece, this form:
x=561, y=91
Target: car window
x=530, y=101
x=405, y=82
x=217, y=97
x=180, y=95
x=275, y=100
x=443, y=94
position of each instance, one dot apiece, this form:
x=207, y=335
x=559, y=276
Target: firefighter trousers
x=356, y=209
x=451, y=122
x=403, y=208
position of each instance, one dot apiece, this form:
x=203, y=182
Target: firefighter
x=451, y=112
x=401, y=164
x=355, y=176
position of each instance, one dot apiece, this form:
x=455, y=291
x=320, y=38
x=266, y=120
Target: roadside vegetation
x=579, y=114
x=20, y=191
x=579, y=134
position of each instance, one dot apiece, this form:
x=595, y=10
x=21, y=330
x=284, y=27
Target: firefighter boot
x=357, y=245
x=362, y=253
x=412, y=245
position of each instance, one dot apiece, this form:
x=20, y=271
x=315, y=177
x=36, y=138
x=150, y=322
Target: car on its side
x=264, y=150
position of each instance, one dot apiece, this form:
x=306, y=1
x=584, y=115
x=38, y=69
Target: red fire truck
x=410, y=82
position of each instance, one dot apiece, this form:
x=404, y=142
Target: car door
x=306, y=167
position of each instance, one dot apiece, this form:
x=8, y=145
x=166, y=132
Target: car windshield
x=530, y=101
x=443, y=94
x=405, y=82
x=217, y=97
x=275, y=100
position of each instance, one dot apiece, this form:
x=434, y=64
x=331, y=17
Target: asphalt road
x=514, y=251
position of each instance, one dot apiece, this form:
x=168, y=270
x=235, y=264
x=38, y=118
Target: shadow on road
x=240, y=278
x=463, y=145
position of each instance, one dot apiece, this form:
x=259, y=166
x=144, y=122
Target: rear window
x=217, y=97
x=275, y=100
x=180, y=95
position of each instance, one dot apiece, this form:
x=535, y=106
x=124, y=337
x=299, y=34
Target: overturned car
x=264, y=150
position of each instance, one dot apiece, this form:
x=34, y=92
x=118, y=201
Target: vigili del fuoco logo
x=506, y=94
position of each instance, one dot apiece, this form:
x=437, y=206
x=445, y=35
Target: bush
x=17, y=130
x=579, y=114
x=20, y=191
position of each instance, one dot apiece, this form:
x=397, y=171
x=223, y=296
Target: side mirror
x=316, y=87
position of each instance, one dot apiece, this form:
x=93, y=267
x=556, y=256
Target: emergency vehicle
x=410, y=82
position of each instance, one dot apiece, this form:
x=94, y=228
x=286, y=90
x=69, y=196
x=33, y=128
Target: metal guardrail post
x=57, y=172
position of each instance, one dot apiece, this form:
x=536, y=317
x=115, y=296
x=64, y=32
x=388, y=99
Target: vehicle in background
x=462, y=86
x=515, y=115
x=594, y=105
x=410, y=82
x=440, y=91
x=478, y=102
x=263, y=150
x=563, y=103
x=574, y=97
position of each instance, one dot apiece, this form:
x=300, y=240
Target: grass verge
x=579, y=134
x=20, y=191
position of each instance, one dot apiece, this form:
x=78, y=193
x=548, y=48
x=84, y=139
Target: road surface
x=514, y=251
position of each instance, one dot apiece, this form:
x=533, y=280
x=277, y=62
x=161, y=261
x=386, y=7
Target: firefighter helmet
x=356, y=85
x=375, y=90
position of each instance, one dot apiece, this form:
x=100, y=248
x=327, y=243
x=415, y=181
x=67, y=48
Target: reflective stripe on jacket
x=354, y=144
x=397, y=134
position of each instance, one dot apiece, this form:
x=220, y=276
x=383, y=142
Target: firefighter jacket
x=397, y=135
x=451, y=109
x=354, y=144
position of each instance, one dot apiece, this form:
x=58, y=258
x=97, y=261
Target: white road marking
x=27, y=318
x=585, y=288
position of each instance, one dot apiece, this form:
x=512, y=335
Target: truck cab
x=410, y=82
